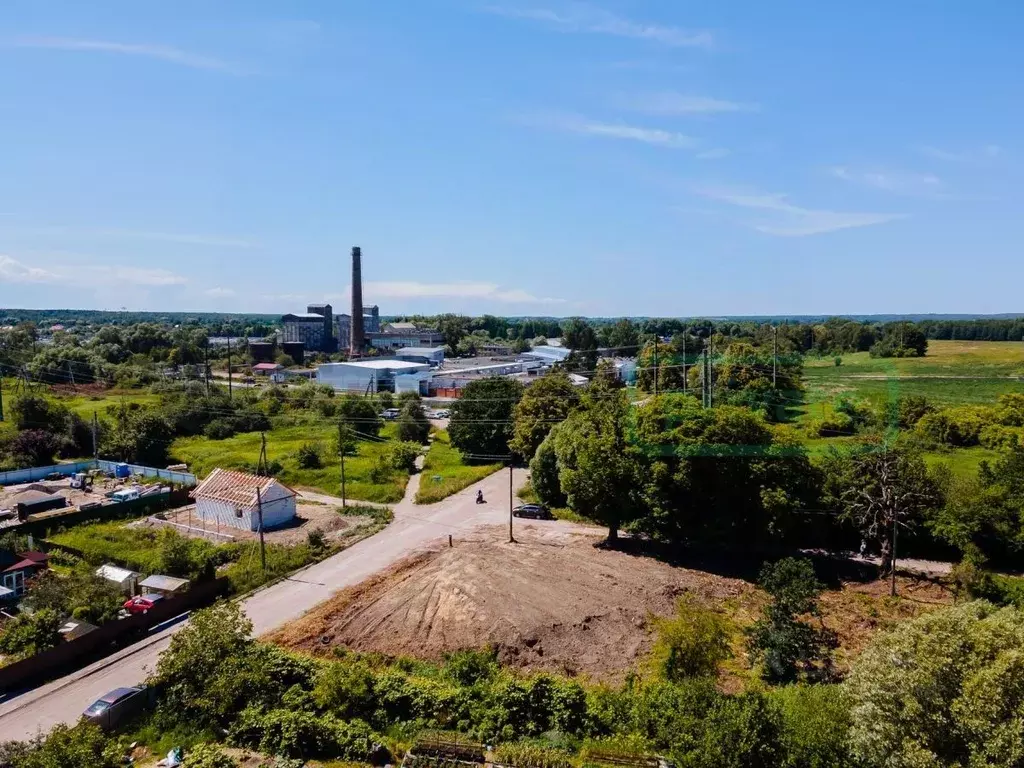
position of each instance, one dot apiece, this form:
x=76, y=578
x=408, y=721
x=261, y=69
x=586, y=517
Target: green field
x=952, y=373
x=85, y=405
x=444, y=473
x=242, y=451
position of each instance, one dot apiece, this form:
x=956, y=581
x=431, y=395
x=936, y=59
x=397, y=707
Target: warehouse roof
x=234, y=487
x=381, y=365
x=304, y=316
x=425, y=351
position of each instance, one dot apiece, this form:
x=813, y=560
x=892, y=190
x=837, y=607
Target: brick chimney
x=358, y=339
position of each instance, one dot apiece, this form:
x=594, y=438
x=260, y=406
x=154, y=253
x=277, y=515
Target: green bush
x=302, y=734
x=402, y=456
x=833, y=425
x=999, y=437
x=219, y=429
x=692, y=644
x=959, y=427
x=208, y=756
x=815, y=724
x=310, y=456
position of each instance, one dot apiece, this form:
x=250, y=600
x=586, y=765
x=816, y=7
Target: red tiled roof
x=28, y=560
x=235, y=487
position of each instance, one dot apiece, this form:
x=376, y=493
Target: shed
x=127, y=581
x=167, y=586
x=32, y=502
x=17, y=568
x=76, y=628
x=230, y=499
x=265, y=369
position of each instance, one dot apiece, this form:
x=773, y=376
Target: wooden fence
x=73, y=654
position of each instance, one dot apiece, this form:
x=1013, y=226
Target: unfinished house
x=230, y=499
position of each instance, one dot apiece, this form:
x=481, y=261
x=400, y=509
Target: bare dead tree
x=891, y=490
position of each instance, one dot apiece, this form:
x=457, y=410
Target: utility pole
x=511, y=538
x=704, y=378
x=95, y=441
x=206, y=366
x=263, y=545
x=1, y=396
x=775, y=355
x=343, y=442
x=656, y=369
x=711, y=372
x=684, y=361
x=261, y=463
x=892, y=576
x=229, y=368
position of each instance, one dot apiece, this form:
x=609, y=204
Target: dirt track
x=551, y=601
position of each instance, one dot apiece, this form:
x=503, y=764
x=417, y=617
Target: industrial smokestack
x=358, y=337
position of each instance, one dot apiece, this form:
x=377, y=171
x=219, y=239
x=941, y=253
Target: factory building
x=429, y=355
x=402, y=335
x=313, y=329
x=372, y=375
x=548, y=355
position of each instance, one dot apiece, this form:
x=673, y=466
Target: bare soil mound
x=552, y=602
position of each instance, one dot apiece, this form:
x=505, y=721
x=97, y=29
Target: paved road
x=414, y=527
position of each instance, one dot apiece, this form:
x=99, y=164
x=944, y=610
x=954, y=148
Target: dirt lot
x=9, y=494
x=309, y=516
x=555, y=602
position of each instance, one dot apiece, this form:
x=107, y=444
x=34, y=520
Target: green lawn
x=445, y=463
x=85, y=405
x=203, y=455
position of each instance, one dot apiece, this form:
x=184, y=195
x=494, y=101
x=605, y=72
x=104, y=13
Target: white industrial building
x=373, y=375
x=548, y=355
x=230, y=499
x=429, y=355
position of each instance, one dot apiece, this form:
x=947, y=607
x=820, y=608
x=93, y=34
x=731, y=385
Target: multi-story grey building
x=314, y=328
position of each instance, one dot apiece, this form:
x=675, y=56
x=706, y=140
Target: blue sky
x=635, y=157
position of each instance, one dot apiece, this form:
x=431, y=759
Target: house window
x=15, y=581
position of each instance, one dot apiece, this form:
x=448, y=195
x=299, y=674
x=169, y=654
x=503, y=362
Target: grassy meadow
x=445, y=463
x=242, y=451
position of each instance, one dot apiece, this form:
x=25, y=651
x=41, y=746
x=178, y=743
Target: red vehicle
x=141, y=604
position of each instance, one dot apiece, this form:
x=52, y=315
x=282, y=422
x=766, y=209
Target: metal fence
x=32, y=474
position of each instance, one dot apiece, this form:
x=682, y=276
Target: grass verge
x=242, y=451
x=444, y=472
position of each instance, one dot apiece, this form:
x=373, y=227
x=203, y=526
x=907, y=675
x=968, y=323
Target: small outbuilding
x=165, y=586
x=231, y=499
x=126, y=581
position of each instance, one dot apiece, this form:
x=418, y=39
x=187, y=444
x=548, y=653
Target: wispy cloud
x=583, y=18
x=412, y=289
x=219, y=293
x=790, y=220
x=585, y=127
x=14, y=271
x=898, y=182
x=969, y=155
x=672, y=103
x=166, y=53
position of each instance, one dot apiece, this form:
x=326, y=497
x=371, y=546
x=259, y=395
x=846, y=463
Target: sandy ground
x=554, y=602
x=309, y=516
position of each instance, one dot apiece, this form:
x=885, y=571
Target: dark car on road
x=534, y=511
x=116, y=706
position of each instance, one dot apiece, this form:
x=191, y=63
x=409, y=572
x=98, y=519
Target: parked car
x=112, y=708
x=534, y=511
x=443, y=414
x=141, y=603
x=390, y=414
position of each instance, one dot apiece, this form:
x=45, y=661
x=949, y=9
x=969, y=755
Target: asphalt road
x=414, y=527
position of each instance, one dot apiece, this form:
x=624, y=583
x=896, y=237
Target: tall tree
x=599, y=469
x=546, y=402
x=481, y=419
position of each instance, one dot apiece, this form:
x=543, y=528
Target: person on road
x=479, y=497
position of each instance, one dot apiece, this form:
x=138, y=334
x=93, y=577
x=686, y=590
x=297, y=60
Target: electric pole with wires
x=263, y=545
x=511, y=538
x=775, y=355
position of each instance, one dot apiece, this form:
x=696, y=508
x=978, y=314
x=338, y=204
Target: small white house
x=230, y=499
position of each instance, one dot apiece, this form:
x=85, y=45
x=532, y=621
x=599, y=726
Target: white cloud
x=654, y=136
x=790, y=220
x=713, y=154
x=970, y=155
x=14, y=271
x=671, y=103
x=900, y=182
x=219, y=293
x=583, y=18
x=152, y=51
x=412, y=289
x=132, y=275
